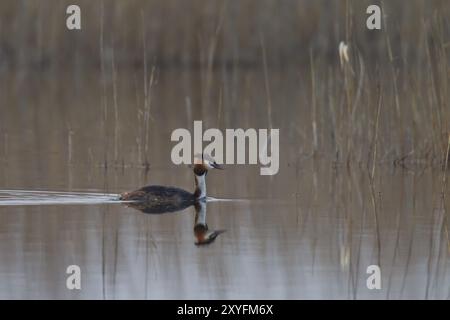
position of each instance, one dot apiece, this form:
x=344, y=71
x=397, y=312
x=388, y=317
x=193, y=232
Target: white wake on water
x=44, y=197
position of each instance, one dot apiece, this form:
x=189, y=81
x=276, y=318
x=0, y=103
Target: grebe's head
x=203, y=163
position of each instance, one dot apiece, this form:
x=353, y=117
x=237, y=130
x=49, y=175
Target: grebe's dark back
x=159, y=199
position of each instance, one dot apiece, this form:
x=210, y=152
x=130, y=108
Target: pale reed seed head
x=343, y=53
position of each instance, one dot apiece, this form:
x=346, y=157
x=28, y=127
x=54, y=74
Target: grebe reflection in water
x=202, y=234
x=201, y=231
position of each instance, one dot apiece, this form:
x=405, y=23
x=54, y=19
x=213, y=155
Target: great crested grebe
x=159, y=199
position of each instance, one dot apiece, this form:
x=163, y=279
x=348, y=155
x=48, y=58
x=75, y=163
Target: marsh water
x=310, y=231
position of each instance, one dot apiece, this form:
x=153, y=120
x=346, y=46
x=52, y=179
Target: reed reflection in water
x=314, y=242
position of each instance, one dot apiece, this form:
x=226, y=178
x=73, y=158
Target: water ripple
x=44, y=197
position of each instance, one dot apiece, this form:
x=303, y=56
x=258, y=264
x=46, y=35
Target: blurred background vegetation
x=249, y=63
x=198, y=32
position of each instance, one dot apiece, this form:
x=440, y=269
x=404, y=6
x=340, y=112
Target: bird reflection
x=202, y=234
x=201, y=231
